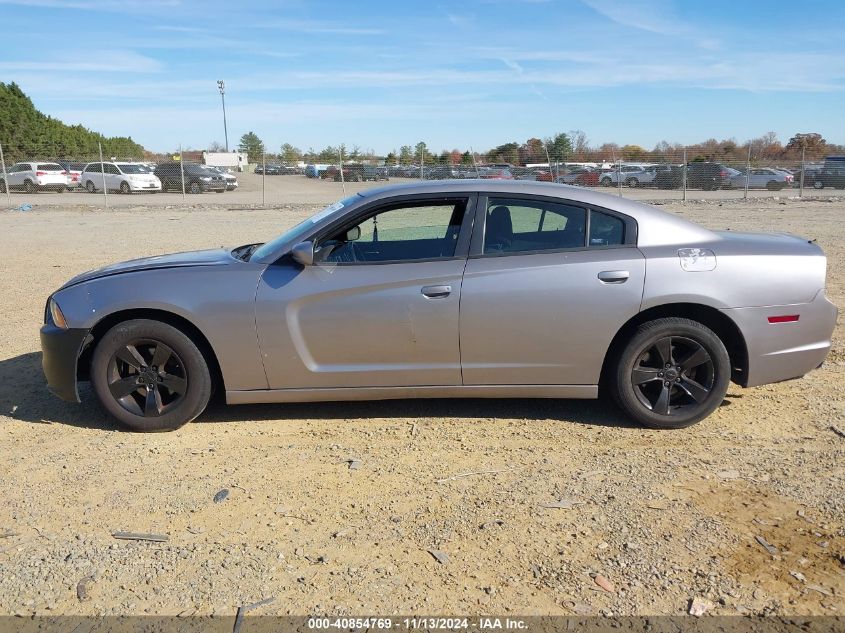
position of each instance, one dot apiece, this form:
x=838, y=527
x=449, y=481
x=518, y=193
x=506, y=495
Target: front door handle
x=436, y=292
x=614, y=276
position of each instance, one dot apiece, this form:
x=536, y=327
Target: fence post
x=475, y=165
x=422, y=162
x=619, y=176
x=182, y=171
x=263, y=178
x=548, y=159
x=103, y=174
x=747, y=170
x=5, y=178
x=684, y=177
x=342, y=178
x=800, y=189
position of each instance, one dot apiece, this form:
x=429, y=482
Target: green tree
x=253, y=146
x=390, y=159
x=290, y=154
x=421, y=153
x=406, y=155
x=507, y=153
x=560, y=147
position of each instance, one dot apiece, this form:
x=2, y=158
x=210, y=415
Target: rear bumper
x=782, y=351
x=60, y=353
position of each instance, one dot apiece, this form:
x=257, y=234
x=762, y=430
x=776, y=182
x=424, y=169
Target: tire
x=195, y=188
x=818, y=184
x=28, y=186
x=633, y=183
x=124, y=188
x=220, y=191
x=606, y=182
x=89, y=187
x=689, y=395
x=2, y=186
x=185, y=368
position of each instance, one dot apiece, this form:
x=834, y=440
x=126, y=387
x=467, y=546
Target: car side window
x=412, y=231
x=111, y=169
x=94, y=168
x=518, y=225
x=606, y=230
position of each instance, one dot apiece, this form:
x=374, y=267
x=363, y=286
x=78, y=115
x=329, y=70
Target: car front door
x=380, y=309
x=547, y=285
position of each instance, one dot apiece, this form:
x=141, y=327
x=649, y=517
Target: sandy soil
x=664, y=516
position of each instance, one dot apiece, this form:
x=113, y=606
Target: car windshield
x=134, y=169
x=301, y=229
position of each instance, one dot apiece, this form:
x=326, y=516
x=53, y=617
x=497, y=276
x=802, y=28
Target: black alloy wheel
x=672, y=373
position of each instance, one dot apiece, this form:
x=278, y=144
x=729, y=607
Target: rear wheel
x=28, y=186
x=150, y=376
x=606, y=182
x=2, y=186
x=89, y=187
x=633, y=182
x=195, y=187
x=818, y=184
x=671, y=374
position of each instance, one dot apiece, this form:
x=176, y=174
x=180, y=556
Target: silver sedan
x=762, y=178
x=449, y=289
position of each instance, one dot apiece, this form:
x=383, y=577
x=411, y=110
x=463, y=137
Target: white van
x=122, y=177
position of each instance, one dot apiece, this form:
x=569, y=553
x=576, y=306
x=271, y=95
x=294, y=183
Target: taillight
x=41, y=173
x=723, y=174
x=64, y=173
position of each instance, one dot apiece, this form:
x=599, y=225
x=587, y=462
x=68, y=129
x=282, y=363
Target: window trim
x=476, y=250
x=355, y=217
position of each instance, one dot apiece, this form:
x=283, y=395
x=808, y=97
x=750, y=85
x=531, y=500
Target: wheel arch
x=179, y=322
x=721, y=324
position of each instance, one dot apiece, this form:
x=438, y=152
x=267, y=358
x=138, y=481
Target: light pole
x=222, y=86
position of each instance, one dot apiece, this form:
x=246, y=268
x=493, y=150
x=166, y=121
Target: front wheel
x=671, y=374
x=633, y=183
x=195, y=188
x=124, y=188
x=606, y=182
x=150, y=376
x=818, y=184
x=2, y=186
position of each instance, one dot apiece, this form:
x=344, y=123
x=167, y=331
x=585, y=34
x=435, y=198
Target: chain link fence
x=28, y=174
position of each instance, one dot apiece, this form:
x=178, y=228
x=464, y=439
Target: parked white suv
x=32, y=177
x=122, y=177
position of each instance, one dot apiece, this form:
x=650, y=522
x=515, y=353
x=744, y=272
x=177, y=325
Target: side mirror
x=353, y=234
x=303, y=253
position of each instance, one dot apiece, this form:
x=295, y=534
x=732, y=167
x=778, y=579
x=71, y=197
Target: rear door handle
x=614, y=276
x=436, y=292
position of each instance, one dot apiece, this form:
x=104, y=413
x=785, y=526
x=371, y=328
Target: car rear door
x=548, y=283
x=380, y=310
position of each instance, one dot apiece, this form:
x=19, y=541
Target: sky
x=468, y=74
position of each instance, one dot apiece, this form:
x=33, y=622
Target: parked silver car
x=449, y=289
x=762, y=178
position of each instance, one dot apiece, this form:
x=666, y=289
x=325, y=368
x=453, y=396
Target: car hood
x=211, y=257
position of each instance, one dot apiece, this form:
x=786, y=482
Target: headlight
x=56, y=315
x=205, y=178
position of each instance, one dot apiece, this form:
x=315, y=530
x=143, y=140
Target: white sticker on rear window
x=694, y=260
x=327, y=211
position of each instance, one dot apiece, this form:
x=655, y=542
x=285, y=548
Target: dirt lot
x=663, y=516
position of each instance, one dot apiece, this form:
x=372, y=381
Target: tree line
x=26, y=133
x=573, y=146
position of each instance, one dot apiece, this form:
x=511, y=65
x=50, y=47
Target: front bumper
x=144, y=186
x=60, y=353
x=782, y=351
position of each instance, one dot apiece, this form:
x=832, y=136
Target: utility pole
x=221, y=85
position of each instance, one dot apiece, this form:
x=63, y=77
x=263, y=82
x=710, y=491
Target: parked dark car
x=708, y=176
x=268, y=170
x=830, y=177
x=197, y=178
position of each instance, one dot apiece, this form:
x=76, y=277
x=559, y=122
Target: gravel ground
x=649, y=520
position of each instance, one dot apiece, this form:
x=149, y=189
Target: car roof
x=655, y=227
